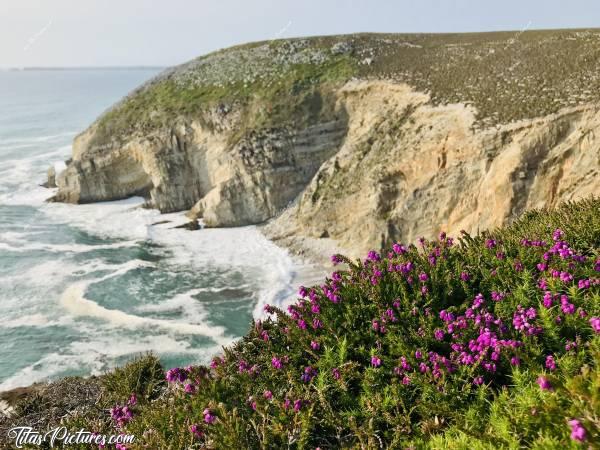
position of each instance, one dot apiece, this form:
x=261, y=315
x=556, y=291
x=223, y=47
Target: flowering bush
x=484, y=342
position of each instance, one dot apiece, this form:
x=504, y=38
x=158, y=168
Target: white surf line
x=73, y=300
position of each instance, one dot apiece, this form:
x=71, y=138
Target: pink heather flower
x=373, y=256
x=571, y=345
x=336, y=373
x=405, y=380
x=336, y=259
x=399, y=249
x=423, y=277
x=209, y=417
x=438, y=334
x=375, y=361
x=302, y=291
x=196, y=431
x=465, y=276
x=557, y=235
x=268, y=395
x=418, y=354
x=595, y=323
x=542, y=267
x=515, y=361
x=565, y=306
x=490, y=243
x=176, y=374
x=518, y=266
x=297, y=405
x=315, y=345
x=550, y=363
x=276, y=363
x=578, y=433
x=424, y=290
x=547, y=299
x=478, y=301
x=584, y=284
x=478, y=381
x=544, y=383
x=132, y=400
x=498, y=296
x=189, y=388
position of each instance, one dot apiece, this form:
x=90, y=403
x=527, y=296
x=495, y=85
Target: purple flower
x=176, y=374
x=583, y=284
x=276, y=363
x=336, y=259
x=423, y=277
x=557, y=235
x=297, y=405
x=515, y=361
x=544, y=383
x=190, y=388
x=373, y=256
x=465, y=276
x=438, y=334
x=478, y=381
x=490, y=243
x=595, y=323
x=209, y=417
x=405, y=380
x=196, y=431
x=418, y=354
x=375, y=361
x=302, y=291
x=315, y=345
x=268, y=395
x=336, y=373
x=550, y=363
x=399, y=249
x=578, y=433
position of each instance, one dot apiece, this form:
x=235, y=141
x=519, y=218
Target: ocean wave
x=75, y=303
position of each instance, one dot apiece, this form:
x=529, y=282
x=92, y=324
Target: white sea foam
x=100, y=353
x=74, y=302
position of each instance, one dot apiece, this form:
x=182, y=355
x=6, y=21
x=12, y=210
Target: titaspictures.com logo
x=61, y=436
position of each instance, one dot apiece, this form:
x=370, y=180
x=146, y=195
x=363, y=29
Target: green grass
x=506, y=76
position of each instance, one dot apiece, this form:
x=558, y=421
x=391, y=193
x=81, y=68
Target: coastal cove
x=85, y=288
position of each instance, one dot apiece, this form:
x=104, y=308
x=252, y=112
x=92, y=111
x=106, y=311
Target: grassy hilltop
x=506, y=75
x=475, y=342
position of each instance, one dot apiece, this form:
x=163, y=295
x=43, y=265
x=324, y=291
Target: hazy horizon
x=95, y=34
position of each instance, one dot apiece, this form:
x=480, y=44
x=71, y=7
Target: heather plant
x=482, y=342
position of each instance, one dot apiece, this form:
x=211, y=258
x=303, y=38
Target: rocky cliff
x=356, y=140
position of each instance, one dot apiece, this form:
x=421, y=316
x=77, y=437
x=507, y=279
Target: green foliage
x=354, y=378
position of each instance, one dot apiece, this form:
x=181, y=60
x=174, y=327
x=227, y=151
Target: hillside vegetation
x=478, y=342
x=505, y=75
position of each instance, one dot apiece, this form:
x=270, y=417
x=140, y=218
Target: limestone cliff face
x=356, y=141
x=408, y=169
x=391, y=167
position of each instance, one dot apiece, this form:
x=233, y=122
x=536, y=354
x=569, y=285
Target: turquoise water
x=87, y=287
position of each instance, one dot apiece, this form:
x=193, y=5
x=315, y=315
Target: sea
x=84, y=288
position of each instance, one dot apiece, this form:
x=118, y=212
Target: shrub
x=475, y=342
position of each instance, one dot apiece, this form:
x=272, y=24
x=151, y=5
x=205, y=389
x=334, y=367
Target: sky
x=70, y=33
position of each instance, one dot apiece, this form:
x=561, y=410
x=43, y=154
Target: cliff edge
x=356, y=140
